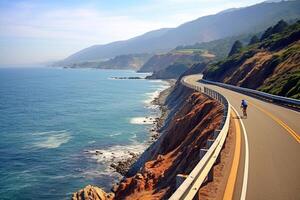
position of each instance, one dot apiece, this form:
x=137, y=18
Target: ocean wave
x=153, y=95
x=142, y=120
x=115, y=153
x=51, y=139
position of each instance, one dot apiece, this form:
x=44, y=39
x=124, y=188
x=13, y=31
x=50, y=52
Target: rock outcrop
x=92, y=193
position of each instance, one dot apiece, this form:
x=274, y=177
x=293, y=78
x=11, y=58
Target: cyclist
x=244, y=106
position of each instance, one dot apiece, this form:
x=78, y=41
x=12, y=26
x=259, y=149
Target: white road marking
x=246, y=167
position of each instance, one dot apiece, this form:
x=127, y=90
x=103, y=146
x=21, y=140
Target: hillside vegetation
x=271, y=64
x=220, y=48
x=173, y=64
x=162, y=61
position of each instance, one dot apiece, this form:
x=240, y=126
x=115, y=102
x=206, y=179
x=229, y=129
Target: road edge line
x=229, y=189
x=246, y=166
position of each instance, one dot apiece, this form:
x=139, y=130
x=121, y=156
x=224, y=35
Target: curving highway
x=269, y=164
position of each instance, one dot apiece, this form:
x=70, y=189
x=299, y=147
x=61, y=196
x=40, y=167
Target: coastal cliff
x=192, y=118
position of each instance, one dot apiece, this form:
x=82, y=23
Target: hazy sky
x=46, y=30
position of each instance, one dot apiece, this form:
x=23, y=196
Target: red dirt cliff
x=176, y=151
x=192, y=119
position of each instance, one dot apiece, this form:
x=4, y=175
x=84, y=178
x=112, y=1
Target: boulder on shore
x=92, y=193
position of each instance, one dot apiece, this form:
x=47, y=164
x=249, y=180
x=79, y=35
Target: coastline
x=123, y=166
x=160, y=102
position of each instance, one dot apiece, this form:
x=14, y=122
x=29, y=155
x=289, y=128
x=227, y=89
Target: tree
x=266, y=34
x=279, y=27
x=253, y=40
x=236, y=47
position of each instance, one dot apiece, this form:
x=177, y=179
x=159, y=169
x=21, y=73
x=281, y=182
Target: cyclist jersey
x=244, y=104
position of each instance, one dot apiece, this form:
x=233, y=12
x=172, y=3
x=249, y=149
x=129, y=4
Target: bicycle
x=244, y=112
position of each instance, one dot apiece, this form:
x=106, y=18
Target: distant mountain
x=131, y=46
x=225, y=24
x=271, y=65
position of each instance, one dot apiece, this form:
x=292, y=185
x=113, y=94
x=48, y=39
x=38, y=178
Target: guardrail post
x=225, y=111
x=202, y=153
x=216, y=133
x=223, y=121
x=210, y=175
x=209, y=142
x=180, y=179
x=218, y=160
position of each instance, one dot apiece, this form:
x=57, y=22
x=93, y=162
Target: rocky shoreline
x=122, y=166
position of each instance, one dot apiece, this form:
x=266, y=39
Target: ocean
x=53, y=120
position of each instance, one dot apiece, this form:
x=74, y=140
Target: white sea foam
x=51, y=139
x=116, y=153
x=153, y=95
x=115, y=134
x=142, y=120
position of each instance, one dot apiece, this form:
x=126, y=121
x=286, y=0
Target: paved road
x=274, y=152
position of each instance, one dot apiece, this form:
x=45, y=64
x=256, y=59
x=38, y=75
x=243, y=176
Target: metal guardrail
x=208, y=157
x=274, y=98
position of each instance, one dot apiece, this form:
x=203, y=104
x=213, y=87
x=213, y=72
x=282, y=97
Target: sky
x=37, y=31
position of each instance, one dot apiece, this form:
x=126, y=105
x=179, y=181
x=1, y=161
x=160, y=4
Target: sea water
x=52, y=122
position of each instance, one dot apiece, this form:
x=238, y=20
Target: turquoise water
x=53, y=120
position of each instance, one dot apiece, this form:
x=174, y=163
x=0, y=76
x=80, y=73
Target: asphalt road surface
x=273, y=153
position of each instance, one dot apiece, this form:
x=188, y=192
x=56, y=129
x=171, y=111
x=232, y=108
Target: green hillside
x=271, y=65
